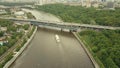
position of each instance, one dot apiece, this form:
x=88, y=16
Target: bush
x=105, y=45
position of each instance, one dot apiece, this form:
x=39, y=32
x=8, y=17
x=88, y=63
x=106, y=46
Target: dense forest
x=105, y=45
x=84, y=15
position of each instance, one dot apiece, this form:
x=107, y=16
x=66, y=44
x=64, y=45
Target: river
x=45, y=52
x=43, y=16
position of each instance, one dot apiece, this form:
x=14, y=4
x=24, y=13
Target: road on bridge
x=45, y=52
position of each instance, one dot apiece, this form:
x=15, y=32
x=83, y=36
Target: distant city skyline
x=55, y=0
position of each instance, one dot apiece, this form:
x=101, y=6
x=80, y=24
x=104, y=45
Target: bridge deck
x=64, y=25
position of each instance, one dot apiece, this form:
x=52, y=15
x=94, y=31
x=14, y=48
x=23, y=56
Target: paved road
x=45, y=52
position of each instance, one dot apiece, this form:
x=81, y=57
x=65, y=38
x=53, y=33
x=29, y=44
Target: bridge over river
x=63, y=25
x=45, y=52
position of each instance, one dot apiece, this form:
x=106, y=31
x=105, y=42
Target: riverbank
x=103, y=45
x=86, y=50
x=20, y=51
x=37, y=15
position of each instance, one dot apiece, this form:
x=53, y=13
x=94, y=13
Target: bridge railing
x=65, y=23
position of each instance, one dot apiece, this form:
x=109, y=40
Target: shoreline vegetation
x=19, y=35
x=15, y=39
x=18, y=47
x=104, y=45
x=79, y=14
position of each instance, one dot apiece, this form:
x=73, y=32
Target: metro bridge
x=63, y=25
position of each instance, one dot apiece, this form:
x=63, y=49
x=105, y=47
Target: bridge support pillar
x=70, y=31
